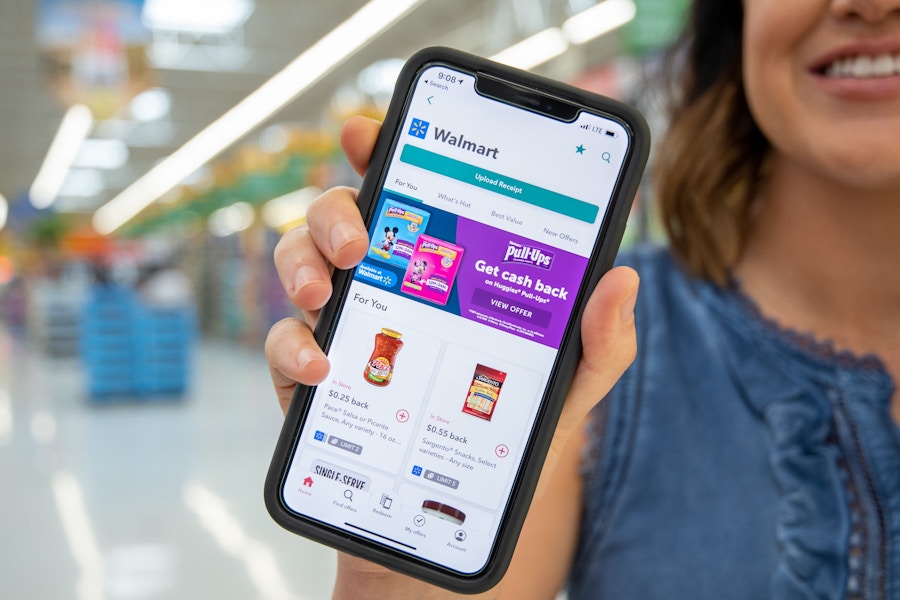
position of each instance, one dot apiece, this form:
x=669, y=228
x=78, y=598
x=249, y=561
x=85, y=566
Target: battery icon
x=611, y=134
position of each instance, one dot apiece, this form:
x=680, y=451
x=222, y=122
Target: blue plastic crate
x=135, y=351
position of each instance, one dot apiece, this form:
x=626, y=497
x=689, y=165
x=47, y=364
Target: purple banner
x=516, y=285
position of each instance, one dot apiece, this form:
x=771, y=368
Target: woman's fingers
x=293, y=356
x=608, y=339
x=609, y=346
x=358, y=136
x=337, y=227
x=333, y=235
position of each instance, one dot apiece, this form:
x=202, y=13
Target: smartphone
x=495, y=200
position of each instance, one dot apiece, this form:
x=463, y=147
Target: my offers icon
x=418, y=128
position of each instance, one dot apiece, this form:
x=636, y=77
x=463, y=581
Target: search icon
x=606, y=156
x=348, y=494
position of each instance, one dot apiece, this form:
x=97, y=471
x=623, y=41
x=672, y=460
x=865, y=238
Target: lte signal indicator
x=586, y=126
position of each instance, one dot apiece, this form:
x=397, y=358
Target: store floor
x=137, y=500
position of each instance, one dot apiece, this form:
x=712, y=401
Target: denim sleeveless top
x=737, y=460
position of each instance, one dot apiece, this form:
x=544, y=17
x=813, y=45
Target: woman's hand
x=335, y=236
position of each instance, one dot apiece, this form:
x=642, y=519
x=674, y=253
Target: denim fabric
x=737, y=460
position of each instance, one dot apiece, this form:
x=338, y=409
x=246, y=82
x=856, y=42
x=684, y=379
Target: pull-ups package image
x=432, y=269
x=396, y=232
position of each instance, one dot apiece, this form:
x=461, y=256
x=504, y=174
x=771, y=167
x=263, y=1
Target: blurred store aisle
x=153, y=499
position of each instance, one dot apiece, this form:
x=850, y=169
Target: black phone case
x=602, y=260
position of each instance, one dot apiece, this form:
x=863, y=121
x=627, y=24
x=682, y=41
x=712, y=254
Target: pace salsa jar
x=380, y=367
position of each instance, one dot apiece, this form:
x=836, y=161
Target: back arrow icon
x=429, y=99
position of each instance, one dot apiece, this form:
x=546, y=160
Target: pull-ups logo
x=528, y=255
x=418, y=128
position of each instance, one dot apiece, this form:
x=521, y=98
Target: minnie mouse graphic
x=418, y=272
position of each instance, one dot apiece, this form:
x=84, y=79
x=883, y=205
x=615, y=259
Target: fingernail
x=304, y=276
x=306, y=356
x=342, y=234
x=626, y=309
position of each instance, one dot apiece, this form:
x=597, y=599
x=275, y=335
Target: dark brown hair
x=710, y=164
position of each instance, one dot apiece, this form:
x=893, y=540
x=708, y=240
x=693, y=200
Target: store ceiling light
x=578, y=29
x=82, y=183
x=298, y=76
x=197, y=16
x=598, y=20
x=231, y=219
x=379, y=78
x=534, y=50
x=275, y=138
x=150, y=105
x=101, y=154
x=75, y=127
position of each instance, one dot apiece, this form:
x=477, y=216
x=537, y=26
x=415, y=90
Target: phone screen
x=480, y=237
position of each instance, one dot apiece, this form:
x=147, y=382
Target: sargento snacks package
x=432, y=269
x=483, y=392
x=396, y=232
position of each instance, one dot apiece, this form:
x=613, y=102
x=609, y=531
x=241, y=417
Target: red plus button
x=502, y=450
x=402, y=415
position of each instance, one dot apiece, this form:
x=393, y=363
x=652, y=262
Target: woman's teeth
x=859, y=67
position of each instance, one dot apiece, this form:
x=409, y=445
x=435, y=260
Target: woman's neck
x=824, y=258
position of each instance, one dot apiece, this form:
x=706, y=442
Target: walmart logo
x=418, y=128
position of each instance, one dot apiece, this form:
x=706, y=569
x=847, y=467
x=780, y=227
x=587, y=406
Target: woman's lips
x=865, y=71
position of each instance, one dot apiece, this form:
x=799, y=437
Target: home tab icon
x=308, y=482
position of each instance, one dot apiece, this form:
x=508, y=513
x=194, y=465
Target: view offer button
x=520, y=311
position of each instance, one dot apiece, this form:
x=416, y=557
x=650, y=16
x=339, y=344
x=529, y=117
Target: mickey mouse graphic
x=390, y=234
